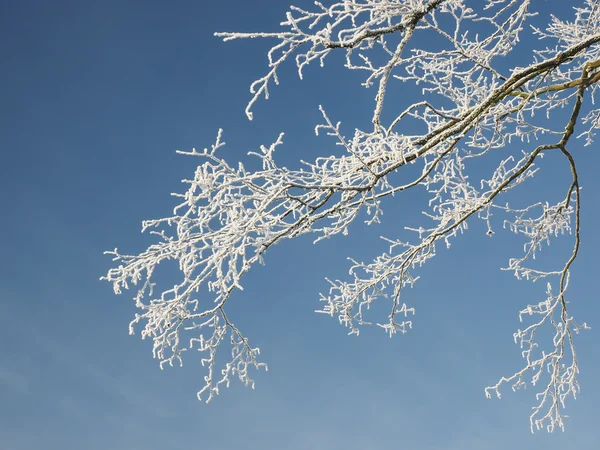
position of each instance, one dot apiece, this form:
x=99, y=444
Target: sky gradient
x=96, y=98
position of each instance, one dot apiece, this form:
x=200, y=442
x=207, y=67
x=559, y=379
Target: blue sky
x=96, y=98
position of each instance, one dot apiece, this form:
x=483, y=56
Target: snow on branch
x=470, y=109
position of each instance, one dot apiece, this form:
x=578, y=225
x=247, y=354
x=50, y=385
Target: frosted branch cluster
x=477, y=131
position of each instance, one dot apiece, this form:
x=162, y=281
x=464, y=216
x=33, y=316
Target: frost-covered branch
x=474, y=120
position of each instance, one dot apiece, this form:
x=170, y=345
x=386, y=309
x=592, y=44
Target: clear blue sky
x=96, y=98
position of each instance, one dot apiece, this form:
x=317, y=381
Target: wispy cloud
x=14, y=381
x=73, y=408
x=76, y=361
